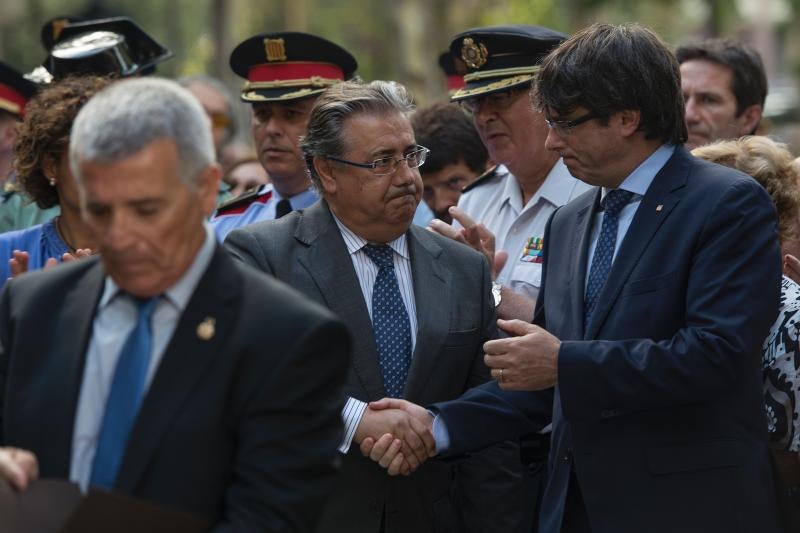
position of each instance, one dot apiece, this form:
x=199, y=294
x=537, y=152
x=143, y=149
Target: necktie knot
x=380, y=254
x=615, y=200
x=145, y=307
x=283, y=208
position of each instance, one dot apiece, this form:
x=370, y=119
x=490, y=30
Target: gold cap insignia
x=276, y=49
x=473, y=54
x=206, y=328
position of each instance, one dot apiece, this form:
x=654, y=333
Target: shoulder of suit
x=483, y=179
x=240, y=204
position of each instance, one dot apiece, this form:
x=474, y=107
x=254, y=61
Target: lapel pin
x=206, y=329
x=659, y=207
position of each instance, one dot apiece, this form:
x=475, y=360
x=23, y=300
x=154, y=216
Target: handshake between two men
x=399, y=435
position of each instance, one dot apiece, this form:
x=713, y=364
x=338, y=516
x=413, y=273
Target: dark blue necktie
x=389, y=322
x=124, y=398
x=612, y=204
x=283, y=208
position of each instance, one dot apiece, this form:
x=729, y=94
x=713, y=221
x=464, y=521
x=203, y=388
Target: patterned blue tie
x=124, y=398
x=612, y=204
x=390, y=322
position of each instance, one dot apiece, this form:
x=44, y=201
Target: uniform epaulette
x=9, y=189
x=239, y=204
x=480, y=180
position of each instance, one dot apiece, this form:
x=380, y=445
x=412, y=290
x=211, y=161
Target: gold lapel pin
x=206, y=328
x=659, y=207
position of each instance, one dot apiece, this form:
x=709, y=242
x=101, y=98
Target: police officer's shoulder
x=485, y=178
x=240, y=203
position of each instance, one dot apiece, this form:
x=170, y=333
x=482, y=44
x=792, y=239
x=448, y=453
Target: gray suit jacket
x=455, y=317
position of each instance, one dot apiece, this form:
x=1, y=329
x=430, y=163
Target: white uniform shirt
x=518, y=228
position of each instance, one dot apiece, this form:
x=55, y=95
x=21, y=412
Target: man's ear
x=324, y=169
x=749, y=119
x=629, y=121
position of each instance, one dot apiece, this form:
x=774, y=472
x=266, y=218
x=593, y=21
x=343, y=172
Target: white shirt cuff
x=440, y=434
x=351, y=416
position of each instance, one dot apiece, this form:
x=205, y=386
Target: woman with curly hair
x=42, y=165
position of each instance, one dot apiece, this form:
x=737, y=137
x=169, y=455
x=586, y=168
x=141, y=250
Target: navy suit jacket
x=658, y=407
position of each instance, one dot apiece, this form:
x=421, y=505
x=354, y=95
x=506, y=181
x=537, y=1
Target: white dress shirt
x=498, y=204
x=115, y=318
x=366, y=272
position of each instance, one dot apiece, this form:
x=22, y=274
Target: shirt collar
x=179, y=293
x=355, y=243
x=300, y=200
x=640, y=179
x=552, y=189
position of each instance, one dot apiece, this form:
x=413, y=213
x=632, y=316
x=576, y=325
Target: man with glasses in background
x=507, y=208
x=418, y=306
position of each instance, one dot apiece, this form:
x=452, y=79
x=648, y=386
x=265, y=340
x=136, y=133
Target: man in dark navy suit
x=657, y=293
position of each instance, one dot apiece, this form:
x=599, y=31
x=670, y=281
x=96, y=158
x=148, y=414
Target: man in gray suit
x=418, y=305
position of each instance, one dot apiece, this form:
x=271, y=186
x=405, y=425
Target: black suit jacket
x=241, y=428
x=658, y=410
x=455, y=315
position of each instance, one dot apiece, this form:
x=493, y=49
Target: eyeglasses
x=389, y=165
x=565, y=127
x=497, y=101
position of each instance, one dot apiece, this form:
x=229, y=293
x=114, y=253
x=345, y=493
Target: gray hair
x=325, y=124
x=124, y=118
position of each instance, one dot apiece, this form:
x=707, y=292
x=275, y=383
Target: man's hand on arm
x=527, y=361
x=18, y=467
x=416, y=427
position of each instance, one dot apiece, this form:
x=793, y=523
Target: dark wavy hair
x=607, y=69
x=44, y=134
x=450, y=134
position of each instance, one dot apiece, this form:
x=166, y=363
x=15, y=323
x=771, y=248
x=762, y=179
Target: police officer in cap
x=285, y=72
x=15, y=211
x=511, y=203
x=508, y=207
x=15, y=91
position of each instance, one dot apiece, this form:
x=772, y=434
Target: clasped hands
x=398, y=435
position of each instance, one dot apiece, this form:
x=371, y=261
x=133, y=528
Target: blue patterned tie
x=612, y=204
x=124, y=398
x=390, y=322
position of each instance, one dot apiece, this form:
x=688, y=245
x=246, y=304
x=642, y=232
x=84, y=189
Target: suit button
x=567, y=456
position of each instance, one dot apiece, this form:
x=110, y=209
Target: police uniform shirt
x=261, y=208
x=518, y=229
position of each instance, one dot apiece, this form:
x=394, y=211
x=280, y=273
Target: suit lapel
x=329, y=264
x=431, y=282
x=654, y=209
x=185, y=360
x=73, y=331
x=580, y=242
